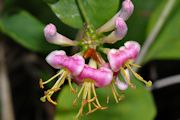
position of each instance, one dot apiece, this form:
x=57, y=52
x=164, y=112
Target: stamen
x=148, y=83
x=70, y=85
x=41, y=83
x=134, y=65
x=85, y=91
x=74, y=102
x=89, y=98
x=114, y=94
x=127, y=78
x=55, y=88
x=107, y=99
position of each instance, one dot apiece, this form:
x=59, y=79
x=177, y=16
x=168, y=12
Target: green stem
x=82, y=10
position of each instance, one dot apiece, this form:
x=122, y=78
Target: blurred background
x=23, y=50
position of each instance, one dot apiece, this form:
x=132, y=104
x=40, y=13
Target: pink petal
x=133, y=48
x=117, y=58
x=59, y=59
x=102, y=76
x=121, y=85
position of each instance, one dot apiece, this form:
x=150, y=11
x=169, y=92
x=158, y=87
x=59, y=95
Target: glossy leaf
x=97, y=12
x=68, y=12
x=166, y=45
x=73, y=12
x=137, y=105
x=26, y=30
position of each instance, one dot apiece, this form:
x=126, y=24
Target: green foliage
x=137, y=105
x=26, y=30
x=166, y=45
x=68, y=12
x=95, y=12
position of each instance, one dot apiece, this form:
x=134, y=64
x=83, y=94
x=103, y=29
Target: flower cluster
x=98, y=72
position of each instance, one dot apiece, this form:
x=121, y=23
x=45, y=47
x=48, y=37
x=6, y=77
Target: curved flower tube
x=118, y=33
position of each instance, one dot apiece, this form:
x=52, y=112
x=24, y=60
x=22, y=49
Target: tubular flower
x=68, y=65
x=123, y=58
x=89, y=79
x=99, y=73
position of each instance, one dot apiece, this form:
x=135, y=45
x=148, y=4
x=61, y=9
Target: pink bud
x=58, y=59
x=102, y=76
x=118, y=33
x=54, y=37
x=121, y=28
x=50, y=31
x=127, y=9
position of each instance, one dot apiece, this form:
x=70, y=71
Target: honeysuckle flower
x=72, y=65
x=118, y=33
x=123, y=58
x=52, y=36
x=89, y=78
x=125, y=12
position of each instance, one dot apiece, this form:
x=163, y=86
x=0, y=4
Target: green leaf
x=166, y=45
x=137, y=105
x=68, y=12
x=26, y=30
x=96, y=12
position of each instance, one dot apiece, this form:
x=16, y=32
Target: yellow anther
x=148, y=84
x=41, y=83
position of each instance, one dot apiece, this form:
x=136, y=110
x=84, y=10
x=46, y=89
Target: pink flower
x=117, y=58
x=101, y=77
x=52, y=36
x=69, y=65
x=59, y=59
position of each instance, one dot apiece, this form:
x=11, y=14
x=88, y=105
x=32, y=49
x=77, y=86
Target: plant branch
x=79, y=2
x=5, y=94
x=156, y=29
x=165, y=82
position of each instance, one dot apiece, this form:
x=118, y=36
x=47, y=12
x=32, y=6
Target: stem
x=5, y=93
x=83, y=12
x=165, y=82
x=155, y=31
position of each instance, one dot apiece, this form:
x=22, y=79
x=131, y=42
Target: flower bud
x=127, y=9
x=118, y=33
x=54, y=37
